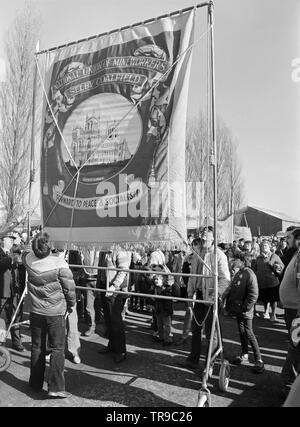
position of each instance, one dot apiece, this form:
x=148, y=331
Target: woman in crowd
x=268, y=268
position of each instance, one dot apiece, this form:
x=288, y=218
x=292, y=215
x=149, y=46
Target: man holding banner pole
x=113, y=303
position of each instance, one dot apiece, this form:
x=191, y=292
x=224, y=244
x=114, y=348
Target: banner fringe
x=174, y=245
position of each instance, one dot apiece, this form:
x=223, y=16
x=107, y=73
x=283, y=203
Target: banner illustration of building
x=113, y=135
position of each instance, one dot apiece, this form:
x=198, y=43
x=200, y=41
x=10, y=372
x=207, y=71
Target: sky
x=256, y=42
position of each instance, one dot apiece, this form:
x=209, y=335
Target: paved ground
x=152, y=375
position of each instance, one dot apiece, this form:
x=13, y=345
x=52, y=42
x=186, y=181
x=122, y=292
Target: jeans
x=53, y=328
x=73, y=341
x=247, y=336
x=164, y=324
x=112, y=307
x=200, y=313
x=90, y=297
x=187, y=323
x=291, y=367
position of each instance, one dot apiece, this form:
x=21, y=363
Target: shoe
x=105, y=350
x=241, y=360
x=18, y=347
x=157, y=339
x=273, y=318
x=36, y=389
x=266, y=316
x=259, y=367
x=59, y=394
x=190, y=365
x=76, y=360
x=89, y=332
x=120, y=358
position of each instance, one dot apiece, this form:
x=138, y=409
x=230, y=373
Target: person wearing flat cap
x=9, y=294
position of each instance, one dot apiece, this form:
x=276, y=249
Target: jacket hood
x=38, y=265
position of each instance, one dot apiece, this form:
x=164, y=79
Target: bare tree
x=229, y=172
x=16, y=97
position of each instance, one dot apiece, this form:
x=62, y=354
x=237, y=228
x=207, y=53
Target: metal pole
x=32, y=160
x=214, y=147
x=130, y=270
x=215, y=189
x=16, y=312
x=150, y=296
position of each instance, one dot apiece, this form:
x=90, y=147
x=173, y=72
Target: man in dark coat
x=9, y=290
x=241, y=296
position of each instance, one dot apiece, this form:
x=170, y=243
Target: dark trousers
x=53, y=328
x=112, y=308
x=8, y=306
x=247, y=336
x=200, y=313
x=291, y=367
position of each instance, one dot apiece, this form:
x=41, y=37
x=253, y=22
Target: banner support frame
x=147, y=21
x=32, y=150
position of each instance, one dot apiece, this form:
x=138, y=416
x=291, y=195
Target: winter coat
x=165, y=307
x=264, y=268
x=7, y=276
x=119, y=279
x=142, y=281
x=242, y=294
x=206, y=285
x=51, y=287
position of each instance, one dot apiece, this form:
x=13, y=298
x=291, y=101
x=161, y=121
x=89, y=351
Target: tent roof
x=279, y=215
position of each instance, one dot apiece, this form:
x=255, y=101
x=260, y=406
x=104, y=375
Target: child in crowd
x=163, y=309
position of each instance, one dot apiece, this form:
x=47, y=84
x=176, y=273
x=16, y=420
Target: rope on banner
x=73, y=207
x=52, y=113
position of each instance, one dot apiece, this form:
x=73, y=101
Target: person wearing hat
x=9, y=293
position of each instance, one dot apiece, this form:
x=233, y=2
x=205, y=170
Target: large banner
x=113, y=137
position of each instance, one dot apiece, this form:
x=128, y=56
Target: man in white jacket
x=113, y=303
x=203, y=288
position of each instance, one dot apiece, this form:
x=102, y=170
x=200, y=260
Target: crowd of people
x=265, y=270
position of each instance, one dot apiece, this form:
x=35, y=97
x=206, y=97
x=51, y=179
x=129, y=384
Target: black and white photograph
x=149, y=209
